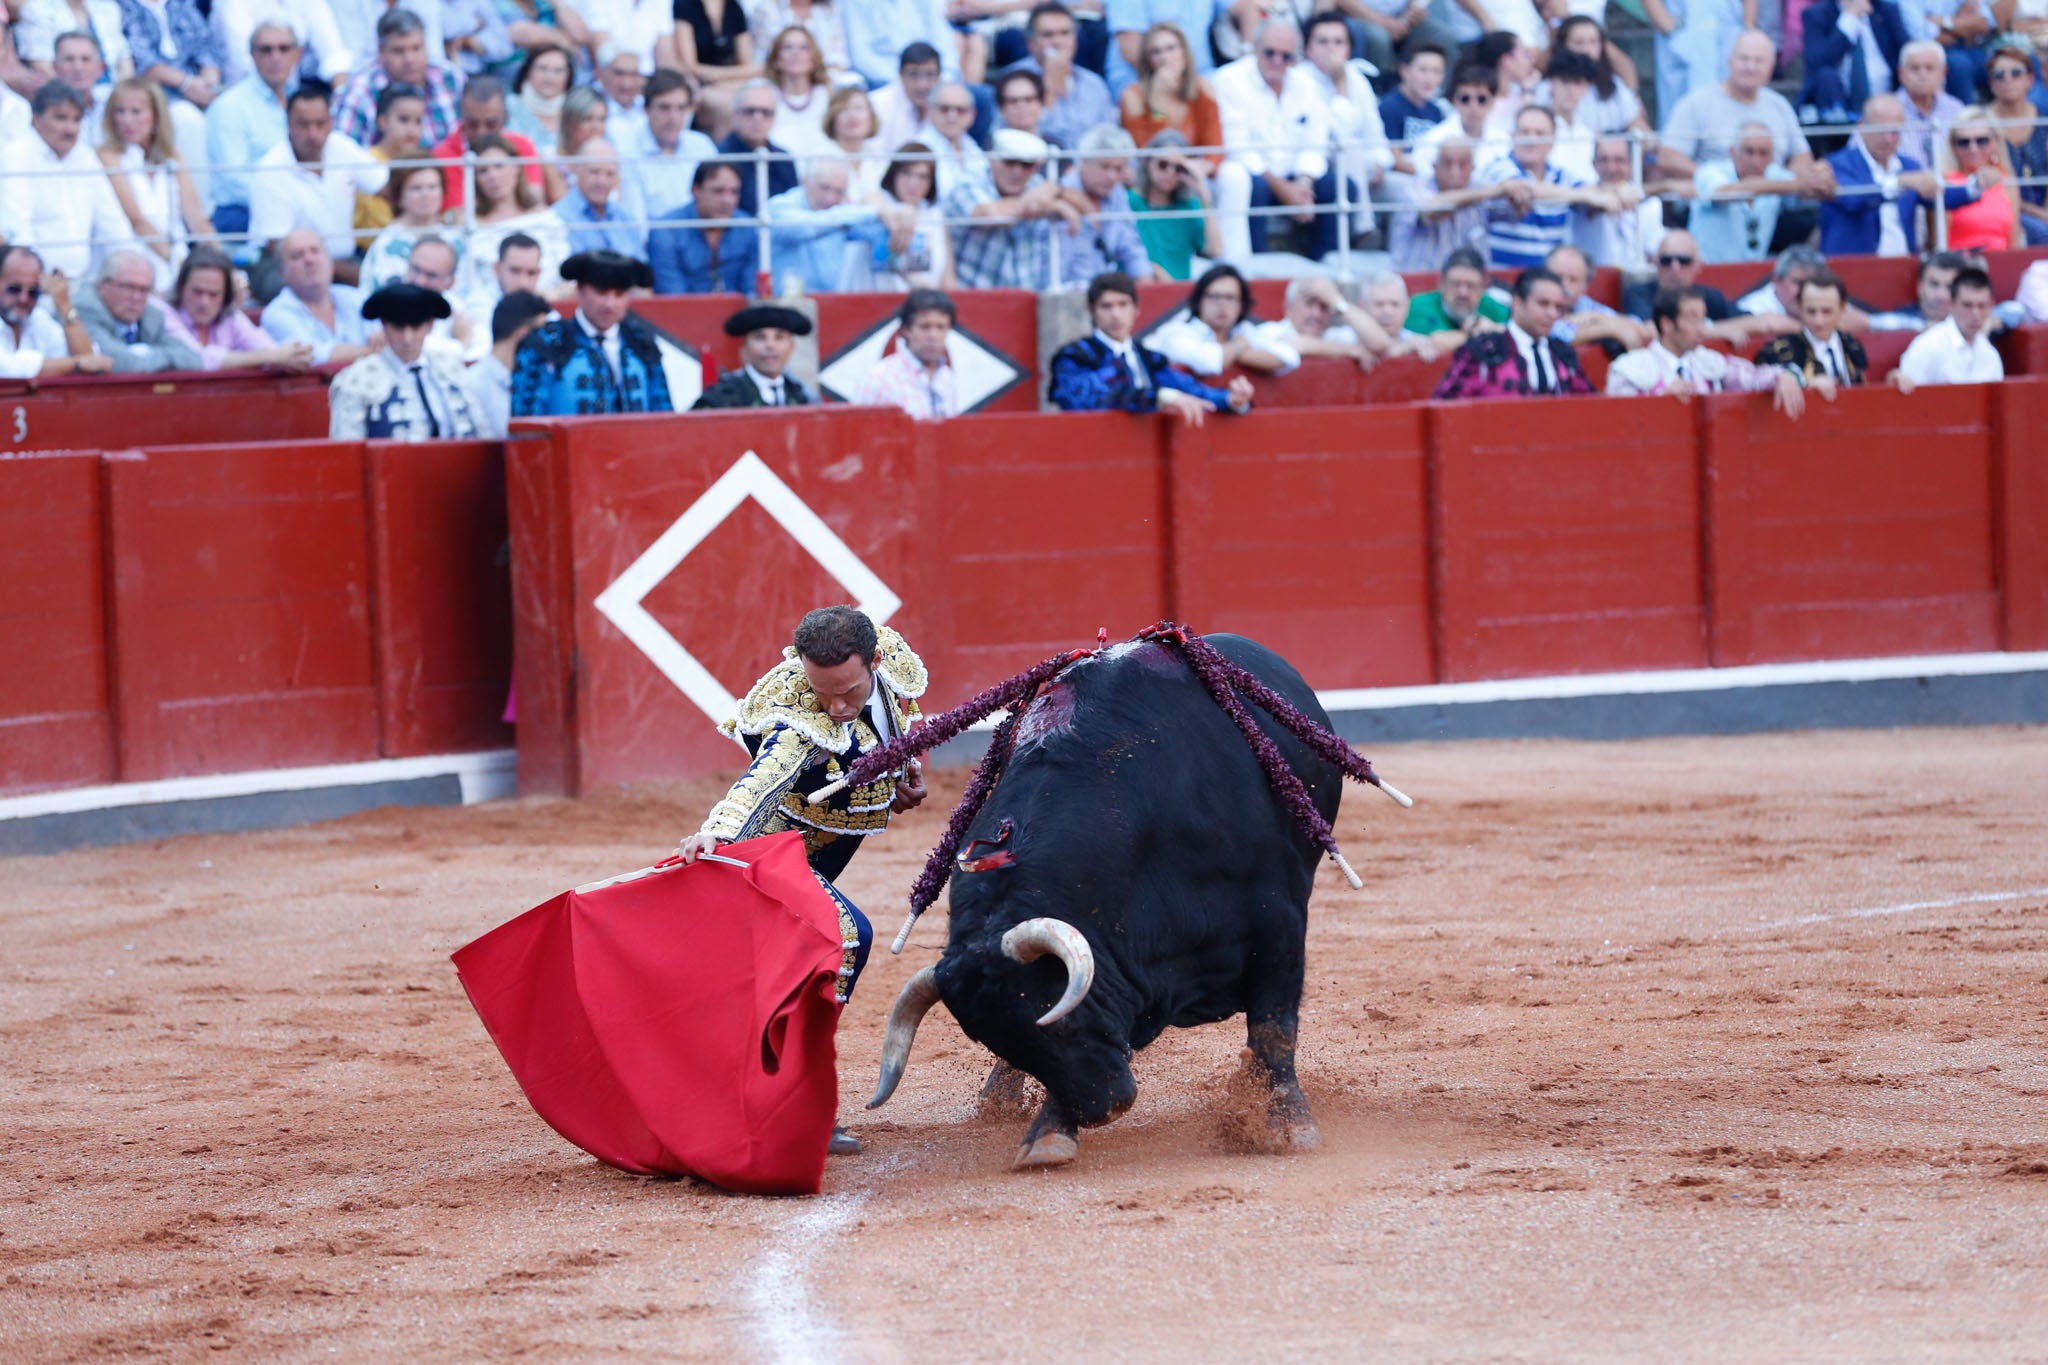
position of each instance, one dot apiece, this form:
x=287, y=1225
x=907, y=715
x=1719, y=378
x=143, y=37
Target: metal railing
x=759, y=166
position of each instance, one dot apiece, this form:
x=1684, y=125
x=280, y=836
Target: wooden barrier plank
x=443, y=613
x=1567, y=537
x=2019, y=416
x=1859, y=531
x=92, y=411
x=539, y=503
x=1308, y=531
x=1053, y=526
x=2024, y=349
x=728, y=603
x=241, y=602
x=56, y=728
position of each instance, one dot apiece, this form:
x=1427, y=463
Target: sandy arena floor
x=1676, y=1050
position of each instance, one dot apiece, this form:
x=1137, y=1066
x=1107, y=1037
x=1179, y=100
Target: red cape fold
x=677, y=1021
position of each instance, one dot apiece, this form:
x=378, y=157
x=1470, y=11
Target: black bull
x=1135, y=874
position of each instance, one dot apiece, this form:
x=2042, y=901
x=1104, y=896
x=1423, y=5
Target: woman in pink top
x=1975, y=152
x=204, y=315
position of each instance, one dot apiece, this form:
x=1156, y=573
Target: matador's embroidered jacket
x=797, y=748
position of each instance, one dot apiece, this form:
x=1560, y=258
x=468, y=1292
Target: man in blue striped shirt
x=1534, y=213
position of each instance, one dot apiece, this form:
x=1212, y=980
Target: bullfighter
x=844, y=686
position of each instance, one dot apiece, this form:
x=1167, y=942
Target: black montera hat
x=607, y=270
x=759, y=315
x=405, y=305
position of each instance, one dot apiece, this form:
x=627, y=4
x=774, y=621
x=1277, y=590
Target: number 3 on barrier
x=20, y=425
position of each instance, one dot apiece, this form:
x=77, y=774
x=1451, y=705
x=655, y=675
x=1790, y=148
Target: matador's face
x=843, y=688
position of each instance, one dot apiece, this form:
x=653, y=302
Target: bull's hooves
x=1053, y=1149
x=1297, y=1137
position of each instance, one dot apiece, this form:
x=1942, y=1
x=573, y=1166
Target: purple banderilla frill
x=1221, y=678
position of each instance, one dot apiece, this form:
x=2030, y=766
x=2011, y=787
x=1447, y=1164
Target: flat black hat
x=607, y=270
x=405, y=305
x=756, y=316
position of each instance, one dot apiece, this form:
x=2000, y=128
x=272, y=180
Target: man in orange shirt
x=483, y=114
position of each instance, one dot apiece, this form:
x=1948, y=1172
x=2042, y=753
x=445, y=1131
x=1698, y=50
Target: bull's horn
x=920, y=993
x=1034, y=938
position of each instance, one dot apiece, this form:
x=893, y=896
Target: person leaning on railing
x=126, y=322
x=688, y=259
x=36, y=342
x=1170, y=201
x=206, y=314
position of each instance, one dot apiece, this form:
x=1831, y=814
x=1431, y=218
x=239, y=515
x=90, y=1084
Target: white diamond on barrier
x=979, y=372
x=748, y=478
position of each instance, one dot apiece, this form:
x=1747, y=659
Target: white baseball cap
x=1014, y=144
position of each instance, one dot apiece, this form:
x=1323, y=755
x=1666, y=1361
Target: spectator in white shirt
x=61, y=215
x=802, y=88
x=310, y=21
x=623, y=78
x=311, y=180
x=1320, y=321
x=1277, y=124
x=662, y=150
x=1624, y=238
x=1216, y=330
x=1354, y=111
x=356, y=21
x=904, y=106
x=1957, y=350
x=81, y=66
x=39, y=23
x=1384, y=297
x=960, y=157
x=1472, y=96
x=40, y=343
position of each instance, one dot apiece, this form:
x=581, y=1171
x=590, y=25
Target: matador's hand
x=910, y=789
x=699, y=843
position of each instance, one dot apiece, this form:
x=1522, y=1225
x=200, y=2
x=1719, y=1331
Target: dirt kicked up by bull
x=1136, y=855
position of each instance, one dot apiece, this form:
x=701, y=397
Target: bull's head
x=1077, y=1049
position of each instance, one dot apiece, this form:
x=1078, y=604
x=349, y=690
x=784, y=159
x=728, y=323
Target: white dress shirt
x=41, y=338
x=1939, y=355
x=608, y=342
x=489, y=386
x=1828, y=355
x=286, y=195
x=1127, y=351
x=61, y=217
x=1294, y=124
x=420, y=378
x=311, y=22
x=1891, y=234
x=1537, y=364
x=771, y=390
x=1857, y=29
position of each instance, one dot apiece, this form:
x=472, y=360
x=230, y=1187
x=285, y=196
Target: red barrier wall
x=1567, y=537
x=698, y=320
x=594, y=707
x=90, y=412
x=1318, y=547
x=2024, y=349
x=55, y=726
x=443, y=601
x=2019, y=413
x=1045, y=528
x=1861, y=530
x=1329, y=382
x=241, y=608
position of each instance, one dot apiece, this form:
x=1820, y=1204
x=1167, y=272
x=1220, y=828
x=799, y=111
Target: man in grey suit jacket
x=125, y=324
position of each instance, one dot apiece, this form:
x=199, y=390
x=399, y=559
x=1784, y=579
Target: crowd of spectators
x=232, y=183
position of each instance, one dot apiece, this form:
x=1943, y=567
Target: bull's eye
x=983, y=855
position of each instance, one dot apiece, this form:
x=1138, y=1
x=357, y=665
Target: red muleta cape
x=678, y=1020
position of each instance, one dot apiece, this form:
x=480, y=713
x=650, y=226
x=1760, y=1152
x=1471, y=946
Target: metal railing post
x=764, y=284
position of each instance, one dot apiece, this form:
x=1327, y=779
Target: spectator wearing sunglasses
x=39, y=343
x=1973, y=160
x=1739, y=195
x=1678, y=267
x=2026, y=138
x=1277, y=124
x=1169, y=183
x=1472, y=93
x=1880, y=191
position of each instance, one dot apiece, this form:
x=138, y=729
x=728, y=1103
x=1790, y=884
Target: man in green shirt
x=1459, y=306
x=1168, y=182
